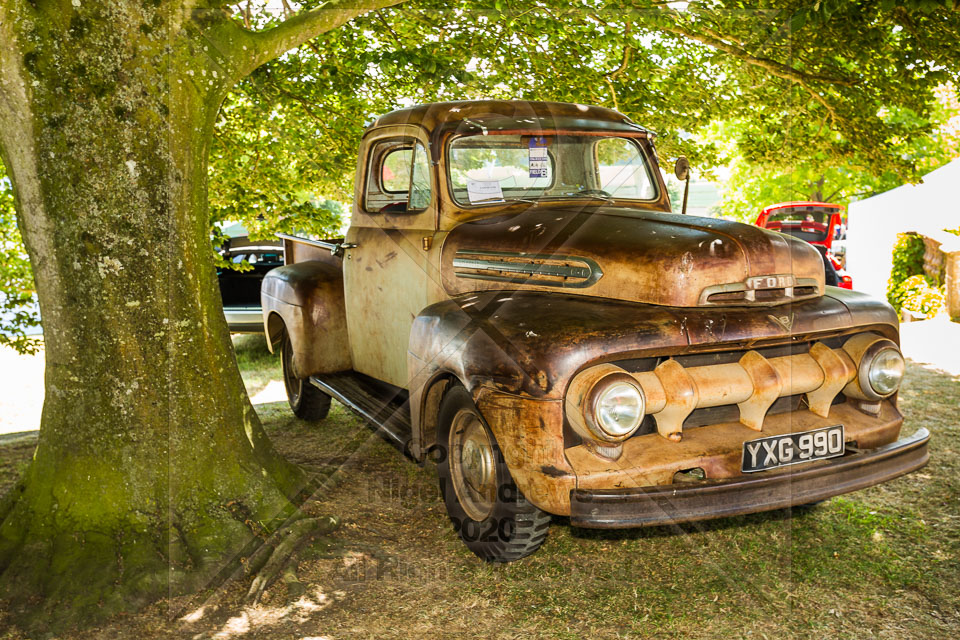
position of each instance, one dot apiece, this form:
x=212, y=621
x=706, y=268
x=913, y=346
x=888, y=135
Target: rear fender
x=306, y=299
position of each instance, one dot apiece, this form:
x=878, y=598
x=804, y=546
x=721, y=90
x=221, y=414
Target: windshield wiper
x=590, y=195
x=598, y=194
x=569, y=196
x=526, y=200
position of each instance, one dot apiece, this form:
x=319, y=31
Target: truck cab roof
x=508, y=115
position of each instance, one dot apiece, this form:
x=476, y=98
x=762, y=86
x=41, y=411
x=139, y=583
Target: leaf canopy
x=785, y=92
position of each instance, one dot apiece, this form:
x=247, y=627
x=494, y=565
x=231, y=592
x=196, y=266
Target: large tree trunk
x=152, y=472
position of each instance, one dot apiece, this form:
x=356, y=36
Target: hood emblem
x=784, y=321
x=763, y=290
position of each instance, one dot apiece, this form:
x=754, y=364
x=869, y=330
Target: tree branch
x=627, y=48
x=778, y=69
x=396, y=37
x=294, y=31
x=833, y=195
x=613, y=93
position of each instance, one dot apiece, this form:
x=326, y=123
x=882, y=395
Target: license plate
x=794, y=448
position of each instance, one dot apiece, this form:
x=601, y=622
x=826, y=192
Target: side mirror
x=682, y=171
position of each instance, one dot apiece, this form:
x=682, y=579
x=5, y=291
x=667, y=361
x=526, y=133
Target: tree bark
x=152, y=472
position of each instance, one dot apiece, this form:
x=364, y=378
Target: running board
x=383, y=408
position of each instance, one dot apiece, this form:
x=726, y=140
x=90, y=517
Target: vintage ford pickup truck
x=515, y=300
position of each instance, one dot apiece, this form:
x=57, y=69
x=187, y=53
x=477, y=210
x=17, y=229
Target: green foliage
x=839, y=94
x=18, y=311
x=920, y=294
x=276, y=159
x=832, y=93
x=838, y=179
x=675, y=191
x=907, y=262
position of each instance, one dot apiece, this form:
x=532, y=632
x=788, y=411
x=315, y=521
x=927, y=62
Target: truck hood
x=632, y=255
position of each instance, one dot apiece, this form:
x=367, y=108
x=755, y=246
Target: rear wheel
x=307, y=402
x=493, y=518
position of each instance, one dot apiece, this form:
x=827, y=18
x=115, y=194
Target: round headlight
x=886, y=371
x=618, y=409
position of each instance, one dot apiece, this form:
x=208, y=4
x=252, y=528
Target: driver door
x=386, y=271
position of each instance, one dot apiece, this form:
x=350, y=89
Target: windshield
x=488, y=169
x=811, y=226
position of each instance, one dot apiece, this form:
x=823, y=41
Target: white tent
x=873, y=224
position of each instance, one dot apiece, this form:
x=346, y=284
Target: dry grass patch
x=880, y=563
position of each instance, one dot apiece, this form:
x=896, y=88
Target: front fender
x=533, y=343
x=521, y=349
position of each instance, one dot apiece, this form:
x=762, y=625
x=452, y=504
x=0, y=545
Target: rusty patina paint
x=639, y=292
x=651, y=460
x=523, y=348
x=645, y=256
x=532, y=343
x=308, y=297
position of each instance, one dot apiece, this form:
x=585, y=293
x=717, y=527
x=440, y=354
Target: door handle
x=343, y=246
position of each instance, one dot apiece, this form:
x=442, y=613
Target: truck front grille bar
x=753, y=384
x=673, y=391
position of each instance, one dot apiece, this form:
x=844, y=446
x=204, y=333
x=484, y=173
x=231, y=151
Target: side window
x=623, y=171
x=395, y=171
x=398, y=180
x=419, y=180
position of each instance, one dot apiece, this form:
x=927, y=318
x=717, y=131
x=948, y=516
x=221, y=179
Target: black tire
x=307, y=402
x=512, y=528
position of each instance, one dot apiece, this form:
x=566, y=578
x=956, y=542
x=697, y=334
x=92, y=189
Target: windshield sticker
x=538, y=157
x=484, y=191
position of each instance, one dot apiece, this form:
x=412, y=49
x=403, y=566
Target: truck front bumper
x=676, y=503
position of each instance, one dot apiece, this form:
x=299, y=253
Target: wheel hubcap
x=477, y=464
x=472, y=466
x=293, y=383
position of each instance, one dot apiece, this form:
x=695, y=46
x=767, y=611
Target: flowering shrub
x=907, y=262
x=920, y=294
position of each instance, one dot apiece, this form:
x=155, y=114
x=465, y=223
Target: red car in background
x=818, y=223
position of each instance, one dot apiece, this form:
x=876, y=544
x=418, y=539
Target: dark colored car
x=240, y=290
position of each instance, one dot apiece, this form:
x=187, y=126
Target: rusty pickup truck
x=515, y=300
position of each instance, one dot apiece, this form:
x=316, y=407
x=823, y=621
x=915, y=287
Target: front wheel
x=307, y=402
x=493, y=518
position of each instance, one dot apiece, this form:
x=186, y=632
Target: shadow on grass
x=257, y=365
x=875, y=563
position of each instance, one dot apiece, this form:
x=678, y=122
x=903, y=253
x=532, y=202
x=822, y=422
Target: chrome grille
x=760, y=290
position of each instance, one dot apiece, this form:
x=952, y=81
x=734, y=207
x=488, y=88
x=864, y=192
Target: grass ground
x=879, y=563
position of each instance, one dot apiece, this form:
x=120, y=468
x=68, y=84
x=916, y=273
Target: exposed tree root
x=272, y=557
x=295, y=588
x=9, y=499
